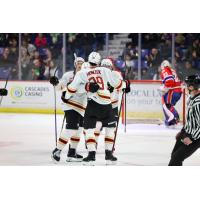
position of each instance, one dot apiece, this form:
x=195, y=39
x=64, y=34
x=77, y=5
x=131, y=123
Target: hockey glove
x=91, y=87
x=128, y=88
x=54, y=80
x=110, y=88
x=63, y=97
x=3, y=92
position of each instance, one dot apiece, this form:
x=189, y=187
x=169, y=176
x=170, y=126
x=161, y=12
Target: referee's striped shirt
x=192, y=125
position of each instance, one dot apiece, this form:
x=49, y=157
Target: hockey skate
x=56, y=155
x=90, y=159
x=72, y=156
x=110, y=159
x=173, y=124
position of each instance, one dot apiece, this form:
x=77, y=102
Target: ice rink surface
x=28, y=139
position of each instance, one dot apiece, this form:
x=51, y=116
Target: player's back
x=101, y=76
x=170, y=79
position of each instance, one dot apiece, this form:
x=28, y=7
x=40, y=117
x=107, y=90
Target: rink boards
x=143, y=102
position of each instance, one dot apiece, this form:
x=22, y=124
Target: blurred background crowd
x=36, y=56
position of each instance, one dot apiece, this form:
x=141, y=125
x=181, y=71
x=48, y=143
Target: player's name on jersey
x=93, y=72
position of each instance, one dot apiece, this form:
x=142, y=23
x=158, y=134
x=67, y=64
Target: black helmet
x=193, y=80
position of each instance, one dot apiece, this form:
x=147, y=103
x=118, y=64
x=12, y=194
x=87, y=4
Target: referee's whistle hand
x=187, y=141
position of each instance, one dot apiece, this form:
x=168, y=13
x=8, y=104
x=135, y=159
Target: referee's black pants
x=181, y=151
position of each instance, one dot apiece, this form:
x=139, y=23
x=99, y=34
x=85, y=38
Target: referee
x=188, y=139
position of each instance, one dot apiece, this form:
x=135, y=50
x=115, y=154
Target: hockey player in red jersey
x=172, y=92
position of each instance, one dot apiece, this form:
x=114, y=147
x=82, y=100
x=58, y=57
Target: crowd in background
x=41, y=54
x=158, y=47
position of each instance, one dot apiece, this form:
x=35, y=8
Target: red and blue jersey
x=170, y=79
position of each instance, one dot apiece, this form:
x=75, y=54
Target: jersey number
x=98, y=80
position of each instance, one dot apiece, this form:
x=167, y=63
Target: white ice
x=28, y=139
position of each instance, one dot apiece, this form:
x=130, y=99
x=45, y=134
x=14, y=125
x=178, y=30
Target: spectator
x=5, y=59
x=192, y=48
x=154, y=59
x=25, y=64
x=49, y=65
x=40, y=41
x=30, y=47
x=186, y=70
x=131, y=51
x=179, y=39
x=13, y=47
x=38, y=70
x=145, y=74
x=166, y=49
x=7, y=62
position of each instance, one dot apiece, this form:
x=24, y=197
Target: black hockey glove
x=3, y=92
x=54, y=80
x=91, y=87
x=110, y=88
x=128, y=87
x=63, y=97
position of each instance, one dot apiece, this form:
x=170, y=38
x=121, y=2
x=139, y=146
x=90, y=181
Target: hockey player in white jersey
x=74, y=109
x=99, y=107
x=114, y=98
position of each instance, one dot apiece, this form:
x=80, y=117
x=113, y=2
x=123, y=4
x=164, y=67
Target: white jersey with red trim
x=115, y=93
x=100, y=75
x=77, y=101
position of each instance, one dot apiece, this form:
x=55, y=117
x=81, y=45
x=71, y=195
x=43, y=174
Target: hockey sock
x=97, y=131
x=74, y=141
x=90, y=139
x=64, y=137
x=109, y=138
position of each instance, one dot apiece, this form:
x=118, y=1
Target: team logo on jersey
x=16, y=92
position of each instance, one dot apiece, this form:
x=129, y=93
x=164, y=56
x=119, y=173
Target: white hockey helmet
x=85, y=65
x=107, y=63
x=164, y=64
x=94, y=58
x=78, y=59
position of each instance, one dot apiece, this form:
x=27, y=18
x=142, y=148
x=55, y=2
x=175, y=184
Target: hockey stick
x=125, y=98
x=55, y=114
x=125, y=112
x=63, y=123
x=116, y=130
x=5, y=85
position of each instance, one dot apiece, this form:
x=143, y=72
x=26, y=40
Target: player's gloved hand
x=110, y=88
x=128, y=87
x=63, y=97
x=54, y=80
x=3, y=92
x=91, y=87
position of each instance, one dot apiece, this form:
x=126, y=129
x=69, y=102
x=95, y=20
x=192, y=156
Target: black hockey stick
x=125, y=98
x=125, y=112
x=55, y=114
x=116, y=130
x=63, y=123
x=5, y=85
